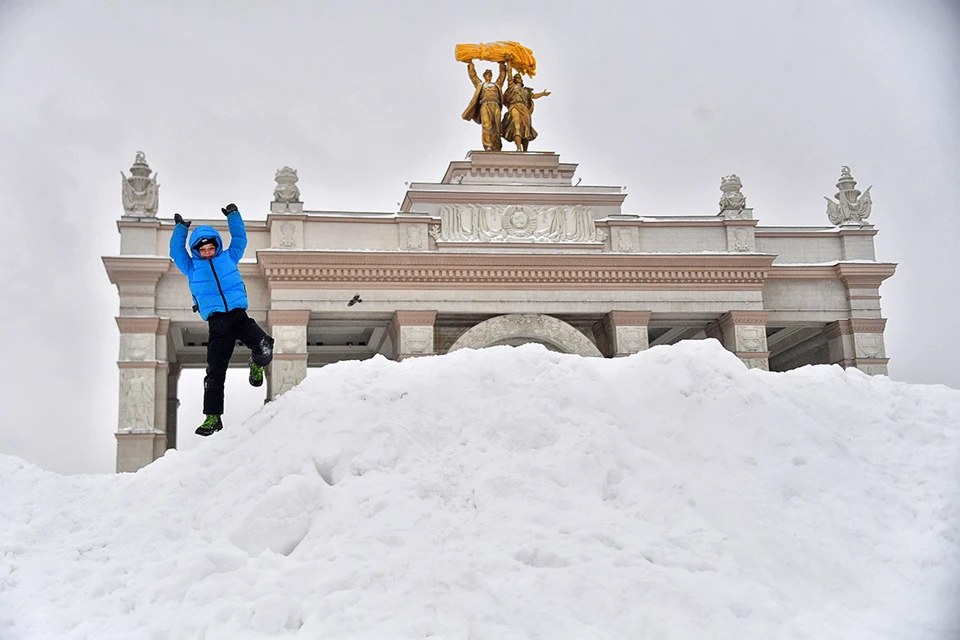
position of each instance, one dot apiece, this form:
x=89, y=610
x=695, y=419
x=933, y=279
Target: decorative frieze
x=516, y=223
x=608, y=271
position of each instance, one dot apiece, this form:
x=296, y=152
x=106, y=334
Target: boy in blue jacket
x=221, y=298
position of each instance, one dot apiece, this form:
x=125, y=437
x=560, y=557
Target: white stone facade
x=504, y=249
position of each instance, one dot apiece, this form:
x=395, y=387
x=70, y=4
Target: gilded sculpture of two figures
x=489, y=97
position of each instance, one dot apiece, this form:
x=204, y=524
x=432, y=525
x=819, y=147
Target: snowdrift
x=515, y=493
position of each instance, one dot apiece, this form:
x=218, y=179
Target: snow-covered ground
x=515, y=493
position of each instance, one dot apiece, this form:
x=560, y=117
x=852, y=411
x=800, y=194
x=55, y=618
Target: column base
x=137, y=449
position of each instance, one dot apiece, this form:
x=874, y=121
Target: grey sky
x=359, y=97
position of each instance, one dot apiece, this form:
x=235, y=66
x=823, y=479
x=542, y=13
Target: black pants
x=225, y=330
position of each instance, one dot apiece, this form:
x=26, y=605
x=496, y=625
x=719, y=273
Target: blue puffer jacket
x=216, y=284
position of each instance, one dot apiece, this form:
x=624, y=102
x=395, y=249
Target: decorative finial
x=286, y=190
x=733, y=204
x=850, y=207
x=140, y=191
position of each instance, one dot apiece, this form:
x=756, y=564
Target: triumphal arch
x=507, y=247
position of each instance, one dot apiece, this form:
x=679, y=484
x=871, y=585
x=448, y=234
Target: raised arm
x=472, y=73
x=238, y=232
x=503, y=75
x=178, y=250
x=542, y=94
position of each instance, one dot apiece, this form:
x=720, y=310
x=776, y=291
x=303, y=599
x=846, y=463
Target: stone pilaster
x=858, y=343
x=142, y=421
x=173, y=403
x=745, y=334
x=289, y=367
x=413, y=333
x=626, y=332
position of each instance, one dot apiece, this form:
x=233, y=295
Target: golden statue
x=486, y=103
x=489, y=98
x=517, y=122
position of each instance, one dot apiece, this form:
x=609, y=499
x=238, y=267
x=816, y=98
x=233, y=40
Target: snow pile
x=515, y=493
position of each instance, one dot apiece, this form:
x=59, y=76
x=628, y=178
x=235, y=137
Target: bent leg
x=256, y=339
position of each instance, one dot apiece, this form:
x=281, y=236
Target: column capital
x=143, y=324
x=628, y=318
x=288, y=317
x=733, y=318
x=856, y=325
x=414, y=318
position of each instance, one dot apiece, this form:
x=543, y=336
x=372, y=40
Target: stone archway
x=530, y=327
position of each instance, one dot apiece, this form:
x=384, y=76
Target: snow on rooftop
x=514, y=493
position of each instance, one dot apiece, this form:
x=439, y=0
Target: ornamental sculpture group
x=489, y=97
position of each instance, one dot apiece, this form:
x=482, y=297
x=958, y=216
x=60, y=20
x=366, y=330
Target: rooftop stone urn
x=140, y=191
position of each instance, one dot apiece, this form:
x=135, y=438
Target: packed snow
x=515, y=493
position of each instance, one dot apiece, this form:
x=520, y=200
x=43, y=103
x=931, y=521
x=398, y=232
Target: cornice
x=435, y=270
x=855, y=275
x=861, y=275
x=135, y=269
x=140, y=324
x=471, y=196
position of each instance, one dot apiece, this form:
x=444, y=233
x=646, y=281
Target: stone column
x=143, y=412
x=173, y=403
x=626, y=332
x=858, y=343
x=745, y=334
x=412, y=333
x=289, y=367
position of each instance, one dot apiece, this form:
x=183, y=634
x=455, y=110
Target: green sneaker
x=210, y=426
x=256, y=374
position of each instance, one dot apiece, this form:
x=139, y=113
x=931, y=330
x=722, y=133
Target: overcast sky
x=663, y=98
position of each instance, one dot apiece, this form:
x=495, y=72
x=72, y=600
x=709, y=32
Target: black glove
x=230, y=208
x=179, y=220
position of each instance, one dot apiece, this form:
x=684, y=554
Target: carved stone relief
x=869, y=345
x=138, y=346
x=533, y=327
x=286, y=374
x=625, y=240
x=291, y=236
x=756, y=363
x=516, y=223
x=873, y=369
x=290, y=339
x=416, y=340
x=415, y=239
x=137, y=395
x=632, y=339
x=751, y=338
x=742, y=240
